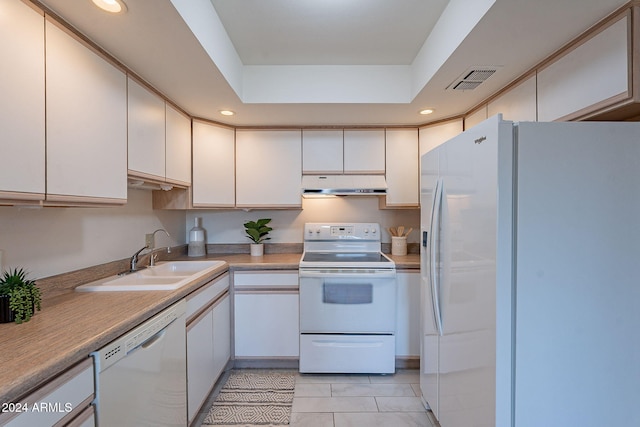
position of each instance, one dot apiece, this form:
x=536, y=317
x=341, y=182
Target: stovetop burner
x=345, y=257
x=343, y=245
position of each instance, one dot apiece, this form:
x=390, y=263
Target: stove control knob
x=366, y=231
x=373, y=230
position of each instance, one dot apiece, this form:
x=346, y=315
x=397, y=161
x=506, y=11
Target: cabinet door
x=86, y=123
x=364, y=151
x=178, y=146
x=408, y=314
x=403, y=164
x=518, y=104
x=593, y=75
x=201, y=374
x=63, y=398
x=22, y=128
x=322, y=151
x=213, y=165
x=221, y=334
x=266, y=325
x=432, y=136
x=146, y=132
x=268, y=168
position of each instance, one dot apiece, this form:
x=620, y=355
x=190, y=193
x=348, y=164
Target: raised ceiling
x=330, y=62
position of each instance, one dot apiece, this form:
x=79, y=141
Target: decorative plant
x=258, y=230
x=23, y=294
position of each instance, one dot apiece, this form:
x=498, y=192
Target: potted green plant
x=19, y=296
x=257, y=232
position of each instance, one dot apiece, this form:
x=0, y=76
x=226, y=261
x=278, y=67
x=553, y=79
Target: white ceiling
x=330, y=62
x=328, y=32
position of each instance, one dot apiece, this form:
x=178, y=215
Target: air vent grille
x=473, y=77
x=465, y=85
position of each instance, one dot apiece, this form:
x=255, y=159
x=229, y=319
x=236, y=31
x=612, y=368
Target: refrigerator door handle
x=434, y=228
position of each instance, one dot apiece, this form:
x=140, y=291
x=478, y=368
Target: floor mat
x=253, y=399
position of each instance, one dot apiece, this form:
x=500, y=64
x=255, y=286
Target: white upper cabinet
x=364, y=151
x=86, y=104
x=268, y=168
x=146, y=132
x=322, y=151
x=213, y=165
x=434, y=135
x=22, y=126
x=178, y=146
x=517, y=104
x=596, y=73
x=402, y=170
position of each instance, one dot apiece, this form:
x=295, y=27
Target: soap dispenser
x=197, y=239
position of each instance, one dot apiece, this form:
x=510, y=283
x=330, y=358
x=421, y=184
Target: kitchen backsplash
x=51, y=241
x=227, y=226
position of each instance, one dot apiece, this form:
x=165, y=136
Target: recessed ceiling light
x=427, y=111
x=113, y=6
x=227, y=112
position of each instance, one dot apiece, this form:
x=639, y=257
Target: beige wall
x=49, y=241
x=226, y=226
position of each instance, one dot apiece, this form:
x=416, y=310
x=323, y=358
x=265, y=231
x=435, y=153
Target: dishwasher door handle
x=149, y=342
x=154, y=339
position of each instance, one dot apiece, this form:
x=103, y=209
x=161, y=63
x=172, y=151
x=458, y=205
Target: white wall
x=226, y=226
x=50, y=241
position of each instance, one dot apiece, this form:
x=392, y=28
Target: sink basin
x=166, y=276
x=179, y=268
x=136, y=282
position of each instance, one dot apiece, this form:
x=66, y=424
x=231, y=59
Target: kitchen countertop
x=289, y=261
x=72, y=325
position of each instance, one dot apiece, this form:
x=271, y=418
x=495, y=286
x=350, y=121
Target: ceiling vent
x=473, y=77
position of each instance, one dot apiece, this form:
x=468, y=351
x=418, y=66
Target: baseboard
x=402, y=362
x=265, y=363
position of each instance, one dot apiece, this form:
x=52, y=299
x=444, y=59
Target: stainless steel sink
x=166, y=276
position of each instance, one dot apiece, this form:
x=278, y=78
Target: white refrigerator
x=530, y=278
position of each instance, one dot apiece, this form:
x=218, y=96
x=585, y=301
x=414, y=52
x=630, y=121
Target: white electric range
x=347, y=300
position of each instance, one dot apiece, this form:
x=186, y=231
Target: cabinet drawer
x=266, y=279
x=62, y=398
x=206, y=294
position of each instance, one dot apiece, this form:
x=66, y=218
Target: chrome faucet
x=152, y=259
x=133, y=262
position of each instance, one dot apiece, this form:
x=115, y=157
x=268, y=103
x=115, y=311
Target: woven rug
x=253, y=399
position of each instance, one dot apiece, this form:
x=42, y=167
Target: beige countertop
x=72, y=325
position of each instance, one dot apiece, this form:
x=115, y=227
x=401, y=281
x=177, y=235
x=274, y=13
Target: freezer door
x=429, y=330
x=468, y=169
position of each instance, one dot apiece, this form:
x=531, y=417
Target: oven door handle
x=368, y=273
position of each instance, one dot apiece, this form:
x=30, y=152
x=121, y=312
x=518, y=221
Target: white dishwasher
x=141, y=377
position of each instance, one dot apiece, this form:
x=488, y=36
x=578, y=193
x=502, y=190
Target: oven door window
x=347, y=293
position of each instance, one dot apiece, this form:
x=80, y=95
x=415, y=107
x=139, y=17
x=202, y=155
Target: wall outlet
x=149, y=240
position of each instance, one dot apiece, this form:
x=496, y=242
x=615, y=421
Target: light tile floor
x=353, y=401
x=359, y=401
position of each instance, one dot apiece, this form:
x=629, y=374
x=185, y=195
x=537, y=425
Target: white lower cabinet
x=64, y=401
x=266, y=315
x=208, y=340
x=408, y=314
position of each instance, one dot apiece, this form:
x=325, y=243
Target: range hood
x=344, y=185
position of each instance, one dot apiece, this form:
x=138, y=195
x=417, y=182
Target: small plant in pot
x=257, y=231
x=19, y=296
